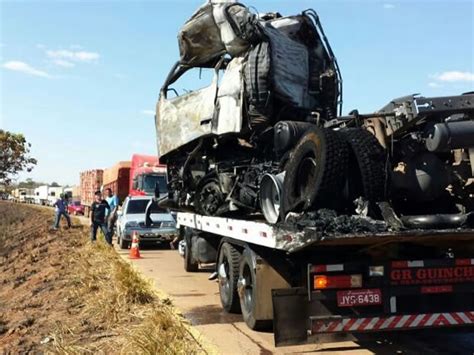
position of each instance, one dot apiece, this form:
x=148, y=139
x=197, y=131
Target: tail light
x=338, y=281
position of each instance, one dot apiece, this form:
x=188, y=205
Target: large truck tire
x=190, y=264
x=367, y=165
x=228, y=263
x=248, y=292
x=209, y=197
x=315, y=172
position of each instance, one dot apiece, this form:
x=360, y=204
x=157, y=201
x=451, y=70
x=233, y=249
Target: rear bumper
x=77, y=212
x=390, y=323
x=297, y=320
x=151, y=235
x=397, y=295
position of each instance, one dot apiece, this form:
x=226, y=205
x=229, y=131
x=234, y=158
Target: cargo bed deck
x=293, y=240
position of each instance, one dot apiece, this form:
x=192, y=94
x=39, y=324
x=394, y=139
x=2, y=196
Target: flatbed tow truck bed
x=290, y=240
x=318, y=287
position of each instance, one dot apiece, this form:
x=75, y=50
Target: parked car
x=75, y=208
x=132, y=219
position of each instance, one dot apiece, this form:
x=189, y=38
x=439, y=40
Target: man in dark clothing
x=98, y=213
x=61, y=210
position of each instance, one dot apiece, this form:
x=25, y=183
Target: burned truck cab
x=218, y=141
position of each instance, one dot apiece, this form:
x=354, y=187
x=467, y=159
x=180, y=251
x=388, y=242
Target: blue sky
x=81, y=78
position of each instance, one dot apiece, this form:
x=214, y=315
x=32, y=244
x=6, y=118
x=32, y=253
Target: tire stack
x=330, y=169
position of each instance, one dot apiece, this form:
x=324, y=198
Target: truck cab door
x=184, y=118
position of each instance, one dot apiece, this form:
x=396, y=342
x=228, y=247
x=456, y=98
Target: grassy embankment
x=61, y=294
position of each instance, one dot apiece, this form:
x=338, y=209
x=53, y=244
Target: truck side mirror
x=135, y=183
x=149, y=206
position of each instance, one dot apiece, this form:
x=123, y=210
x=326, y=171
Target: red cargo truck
x=117, y=178
x=91, y=181
x=145, y=172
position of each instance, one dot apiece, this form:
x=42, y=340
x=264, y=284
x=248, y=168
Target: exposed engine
x=266, y=135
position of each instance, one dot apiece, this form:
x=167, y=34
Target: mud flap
x=290, y=316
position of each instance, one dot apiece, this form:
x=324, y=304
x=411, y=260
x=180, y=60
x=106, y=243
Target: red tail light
x=338, y=281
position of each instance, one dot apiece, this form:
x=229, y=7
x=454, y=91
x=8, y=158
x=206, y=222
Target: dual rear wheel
x=330, y=169
x=237, y=284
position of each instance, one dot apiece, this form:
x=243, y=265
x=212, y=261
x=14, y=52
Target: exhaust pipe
x=271, y=188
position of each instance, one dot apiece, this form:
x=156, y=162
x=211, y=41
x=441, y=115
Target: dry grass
x=116, y=297
x=81, y=297
x=159, y=334
x=10, y=216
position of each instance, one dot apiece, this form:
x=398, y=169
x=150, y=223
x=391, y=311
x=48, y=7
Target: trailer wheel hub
x=222, y=272
x=224, y=277
x=246, y=289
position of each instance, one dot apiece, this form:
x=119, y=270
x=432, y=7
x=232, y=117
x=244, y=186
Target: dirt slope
x=61, y=294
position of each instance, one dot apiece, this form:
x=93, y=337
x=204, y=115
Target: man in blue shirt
x=113, y=202
x=61, y=210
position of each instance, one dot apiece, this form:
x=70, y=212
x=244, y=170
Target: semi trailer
x=90, y=182
x=41, y=195
x=117, y=178
x=321, y=224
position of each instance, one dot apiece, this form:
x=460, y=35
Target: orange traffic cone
x=135, y=248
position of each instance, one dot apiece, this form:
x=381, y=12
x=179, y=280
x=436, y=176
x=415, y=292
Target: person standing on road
x=111, y=216
x=98, y=213
x=61, y=210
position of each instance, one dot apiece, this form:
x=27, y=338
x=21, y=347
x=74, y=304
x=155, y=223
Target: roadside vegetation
x=61, y=294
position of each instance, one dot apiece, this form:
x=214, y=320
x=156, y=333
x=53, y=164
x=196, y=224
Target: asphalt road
x=198, y=299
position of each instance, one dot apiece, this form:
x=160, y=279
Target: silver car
x=131, y=219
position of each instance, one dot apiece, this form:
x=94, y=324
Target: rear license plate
x=352, y=298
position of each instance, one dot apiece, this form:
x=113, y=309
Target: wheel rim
x=247, y=288
x=224, y=280
x=210, y=198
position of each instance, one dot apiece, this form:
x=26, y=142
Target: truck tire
x=248, y=292
x=228, y=263
x=209, y=198
x=315, y=172
x=190, y=264
x=367, y=165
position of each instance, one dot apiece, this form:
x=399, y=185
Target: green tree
x=30, y=184
x=54, y=184
x=14, y=156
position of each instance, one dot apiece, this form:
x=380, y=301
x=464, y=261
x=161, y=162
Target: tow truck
x=322, y=225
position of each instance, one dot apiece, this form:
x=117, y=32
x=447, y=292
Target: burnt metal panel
x=185, y=118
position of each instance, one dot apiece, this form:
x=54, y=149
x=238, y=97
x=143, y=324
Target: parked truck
x=76, y=192
x=54, y=192
x=117, y=178
x=145, y=172
x=325, y=225
x=23, y=195
x=41, y=195
x=90, y=182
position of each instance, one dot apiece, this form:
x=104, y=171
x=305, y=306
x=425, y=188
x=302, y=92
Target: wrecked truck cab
x=219, y=141
x=214, y=109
